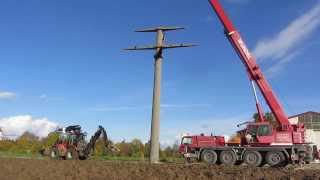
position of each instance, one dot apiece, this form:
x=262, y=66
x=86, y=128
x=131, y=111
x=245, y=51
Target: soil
x=25, y=169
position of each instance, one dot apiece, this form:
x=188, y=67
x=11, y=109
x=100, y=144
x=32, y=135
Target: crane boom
x=252, y=67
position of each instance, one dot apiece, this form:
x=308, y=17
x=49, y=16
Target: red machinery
x=260, y=142
x=71, y=143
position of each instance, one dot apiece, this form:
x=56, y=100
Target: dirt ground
x=25, y=169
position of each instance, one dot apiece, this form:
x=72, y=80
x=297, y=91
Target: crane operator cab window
x=264, y=130
x=258, y=130
x=186, y=140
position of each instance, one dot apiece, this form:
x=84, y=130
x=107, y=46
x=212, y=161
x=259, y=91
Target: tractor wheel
x=209, y=156
x=275, y=158
x=54, y=153
x=252, y=158
x=72, y=154
x=228, y=158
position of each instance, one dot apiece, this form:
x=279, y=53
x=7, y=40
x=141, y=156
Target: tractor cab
x=71, y=135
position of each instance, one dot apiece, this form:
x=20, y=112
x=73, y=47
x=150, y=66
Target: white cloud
x=16, y=125
x=7, y=95
x=277, y=67
x=283, y=46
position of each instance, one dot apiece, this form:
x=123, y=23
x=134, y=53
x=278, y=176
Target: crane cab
x=259, y=133
x=264, y=133
x=194, y=143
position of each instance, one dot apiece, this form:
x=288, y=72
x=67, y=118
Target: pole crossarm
x=162, y=28
x=171, y=46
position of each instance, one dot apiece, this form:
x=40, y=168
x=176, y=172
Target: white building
x=1, y=134
x=311, y=121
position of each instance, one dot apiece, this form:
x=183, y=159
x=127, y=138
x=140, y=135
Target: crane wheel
x=209, y=156
x=252, y=158
x=275, y=158
x=228, y=158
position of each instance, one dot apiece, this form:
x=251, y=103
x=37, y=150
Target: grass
x=26, y=155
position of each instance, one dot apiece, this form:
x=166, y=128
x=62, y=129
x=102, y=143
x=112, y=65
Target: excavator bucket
x=108, y=145
x=113, y=148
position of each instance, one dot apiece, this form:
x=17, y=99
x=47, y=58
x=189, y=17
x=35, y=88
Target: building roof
x=305, y=113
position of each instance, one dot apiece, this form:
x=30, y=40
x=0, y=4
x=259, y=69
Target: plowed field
x=25, y=169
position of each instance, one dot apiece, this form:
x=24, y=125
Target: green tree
x=147, y=148
x=99, y=148
x=124, y=149
x=50, y=140
x=136, y=148
x=27, y=142
x=268, y=116
x=7, y=144
x=172, y=151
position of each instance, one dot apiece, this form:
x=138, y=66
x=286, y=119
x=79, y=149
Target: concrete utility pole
x=155, y=122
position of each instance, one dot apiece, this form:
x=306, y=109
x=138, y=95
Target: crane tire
x=275, y=158
x=228, y=158
x=252, y=158
x=209, y=156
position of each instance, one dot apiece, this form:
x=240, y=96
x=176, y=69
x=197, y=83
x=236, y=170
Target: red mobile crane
x=259, y=142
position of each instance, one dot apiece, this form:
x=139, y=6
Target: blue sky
x=62, y=62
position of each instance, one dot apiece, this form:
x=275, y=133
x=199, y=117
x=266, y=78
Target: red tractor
x=71, y=143
x=260, y=142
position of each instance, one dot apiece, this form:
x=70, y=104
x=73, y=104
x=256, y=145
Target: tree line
x=30, y=144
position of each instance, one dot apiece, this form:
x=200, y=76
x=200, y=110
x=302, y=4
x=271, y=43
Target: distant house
x=1, y=134
x=311, y=121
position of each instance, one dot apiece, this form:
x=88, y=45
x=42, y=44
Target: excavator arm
x=90, y=146
x=254, y=72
